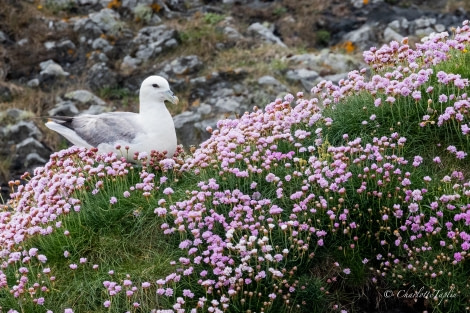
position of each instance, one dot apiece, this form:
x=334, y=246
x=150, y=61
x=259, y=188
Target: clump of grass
x=307, y=205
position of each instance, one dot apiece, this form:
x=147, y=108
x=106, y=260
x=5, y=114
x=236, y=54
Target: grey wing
x=105, y=128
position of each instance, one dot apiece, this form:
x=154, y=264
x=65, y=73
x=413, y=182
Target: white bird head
x=156, y=89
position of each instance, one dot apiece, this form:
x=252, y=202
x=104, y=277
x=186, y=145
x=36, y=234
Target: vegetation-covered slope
x=355, y=199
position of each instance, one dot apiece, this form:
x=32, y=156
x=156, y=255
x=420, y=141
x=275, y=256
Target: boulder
x=152, y=40
x=99, y=76
x=183, y=66
x=20, y=131
x=84, y=98
x=390, y=34
x=64, y=108
x=265, y=34
x=304, y=76
x=50, y=68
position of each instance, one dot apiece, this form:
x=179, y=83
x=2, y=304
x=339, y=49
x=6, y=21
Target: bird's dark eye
x=155, y=86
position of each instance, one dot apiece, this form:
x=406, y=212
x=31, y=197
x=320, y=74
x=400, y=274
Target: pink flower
x=107, y=304
x=113, y=200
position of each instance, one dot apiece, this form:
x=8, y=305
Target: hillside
x=66, y=57
x=354, y=199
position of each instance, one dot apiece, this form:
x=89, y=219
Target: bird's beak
x=171, y=97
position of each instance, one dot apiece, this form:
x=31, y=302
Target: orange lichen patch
x=349, y=47
x=88, y=55
x=103, y=36
x=365, y=1
x=114, y=4
x=155, y=7
x=70, y=51
x=39, y=7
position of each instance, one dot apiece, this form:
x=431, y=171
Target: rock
x=33, y=83
x=33, y=160
x=363, y=37
x=129, y=63
x=325, y=61
x=268, y=80
x=424, y=32
x=87, y=2
x=231, y=33
x=84, y=98
x=60, y=4
x=204, y=109
x=440, y=28
x=96, y=109
x=30, y=146
x=304, y=76
x=152, y=39
x=183, y=66
x=335, y=78
x=390, y=34
x=424, y=22
x=17, y=114
x=185, y=130
x=51, y=68
x=99, y=76
x=64, y=108
x=102, y=45
x=229, y=104
x=20, y=131
x=107, y=20
x=184, y=118
x=264, y=34
x=3, y=37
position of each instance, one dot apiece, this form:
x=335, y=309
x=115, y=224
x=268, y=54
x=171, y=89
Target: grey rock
x=17, y=114
x=86, y=27
x=151, y=39
x=22, y=42
x=64, y=108
x=20, y=131
x=335, y=78
x=100, y=76
x=222, y=93
x=232, y=33
x=102, y=44
x=33, y=83
x=204, y=109
x=334, y=62
x=96, y=109
x=227, y=105
x=363, y=37
x=262, y=32
x=51, y=68
x=66, y=44
x=87, y=2
x=390, y=34
x=304, y=76
x=107, y=20
x=3, y=37
x=29, y=146
x=184, y=118
x=440, y=28
x=424, y=22
x=84, y=97
x=97, y=57
x=33, y=159
x=49, y=45
x=183, y=66
x=421, y=32
x=129, y=63
x=60, y=4
x=268, y=80
x=131, y=4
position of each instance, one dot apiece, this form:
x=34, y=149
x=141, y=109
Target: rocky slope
x=66, y=57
